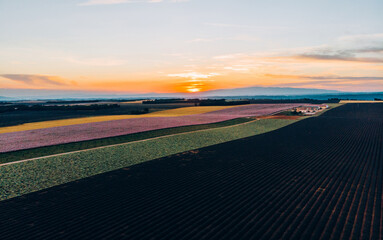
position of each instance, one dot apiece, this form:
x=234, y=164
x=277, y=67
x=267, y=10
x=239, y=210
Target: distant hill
x=4, y=98
x=342, y=96
x=236, y=93
x=266, y=91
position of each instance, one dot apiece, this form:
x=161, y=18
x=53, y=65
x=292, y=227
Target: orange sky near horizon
x=130, y=47
x=234, y=71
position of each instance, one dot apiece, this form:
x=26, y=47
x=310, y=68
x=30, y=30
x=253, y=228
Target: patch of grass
x=76, y=146
x=25, y=177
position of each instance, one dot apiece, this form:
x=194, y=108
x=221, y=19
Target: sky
x=143, y=46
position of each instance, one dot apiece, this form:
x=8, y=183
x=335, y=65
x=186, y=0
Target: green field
x=76, y=146
x=29, y=176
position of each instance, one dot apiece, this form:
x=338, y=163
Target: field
x=47, y=135
x=76, y=146
x=319, y=178
x=20, y=117
x=33, y=175
x=66, y=122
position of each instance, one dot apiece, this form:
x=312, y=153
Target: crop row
x=81, y=132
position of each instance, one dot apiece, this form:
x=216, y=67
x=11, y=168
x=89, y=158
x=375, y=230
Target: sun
x=193, y=90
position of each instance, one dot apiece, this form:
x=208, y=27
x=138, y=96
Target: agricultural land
x=248, y=172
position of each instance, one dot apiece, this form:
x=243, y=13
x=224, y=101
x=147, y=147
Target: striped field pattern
x=320, y=178
x=13, y=141
x=66, y=122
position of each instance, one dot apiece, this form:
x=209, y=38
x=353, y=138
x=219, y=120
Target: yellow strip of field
x=133, y=102
x=66, y=122
x=359, y=101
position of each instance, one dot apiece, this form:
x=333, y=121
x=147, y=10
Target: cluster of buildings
x=310, y=110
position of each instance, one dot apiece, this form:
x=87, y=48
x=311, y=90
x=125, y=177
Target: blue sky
x=195, y=45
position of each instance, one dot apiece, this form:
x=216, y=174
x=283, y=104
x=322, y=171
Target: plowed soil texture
x=320, y=178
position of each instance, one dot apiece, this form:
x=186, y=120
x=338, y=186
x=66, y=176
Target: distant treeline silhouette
x=303, y=100
x=198, y=102
x=72, y=101
x=225, y=102
x=168, y=100
x=39, y=107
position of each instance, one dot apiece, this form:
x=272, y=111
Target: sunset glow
x=191, y=119
x=193, y=90
x=114, y=47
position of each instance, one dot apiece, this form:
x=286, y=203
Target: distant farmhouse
x=310, y=110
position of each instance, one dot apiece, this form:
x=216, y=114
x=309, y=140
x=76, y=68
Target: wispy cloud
x=111, y=2
x=193, y=75
x=32, y=79
x=343, y=55
x=230, y=56
x=367, y=54
x=237, y=68
x=369, y=50
x=356, y=48
x=352, y=83
x=327, y=77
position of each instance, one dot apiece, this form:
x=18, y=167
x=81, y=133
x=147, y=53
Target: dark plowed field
x=320, y=178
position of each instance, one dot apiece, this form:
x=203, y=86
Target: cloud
x=371, y=53
x=334, y=77
x=326, y=77
x=358, y=48
x=352, y=83
x=355, y=55
x=32, y=79
x=369, y=50
x=111, y=2
x=230, y=56
x=340, y=57
x=193, y=75
x=238, y=68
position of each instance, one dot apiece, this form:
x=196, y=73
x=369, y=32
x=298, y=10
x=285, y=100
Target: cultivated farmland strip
x=320, y=178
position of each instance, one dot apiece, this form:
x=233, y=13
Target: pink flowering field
x=88, y=131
